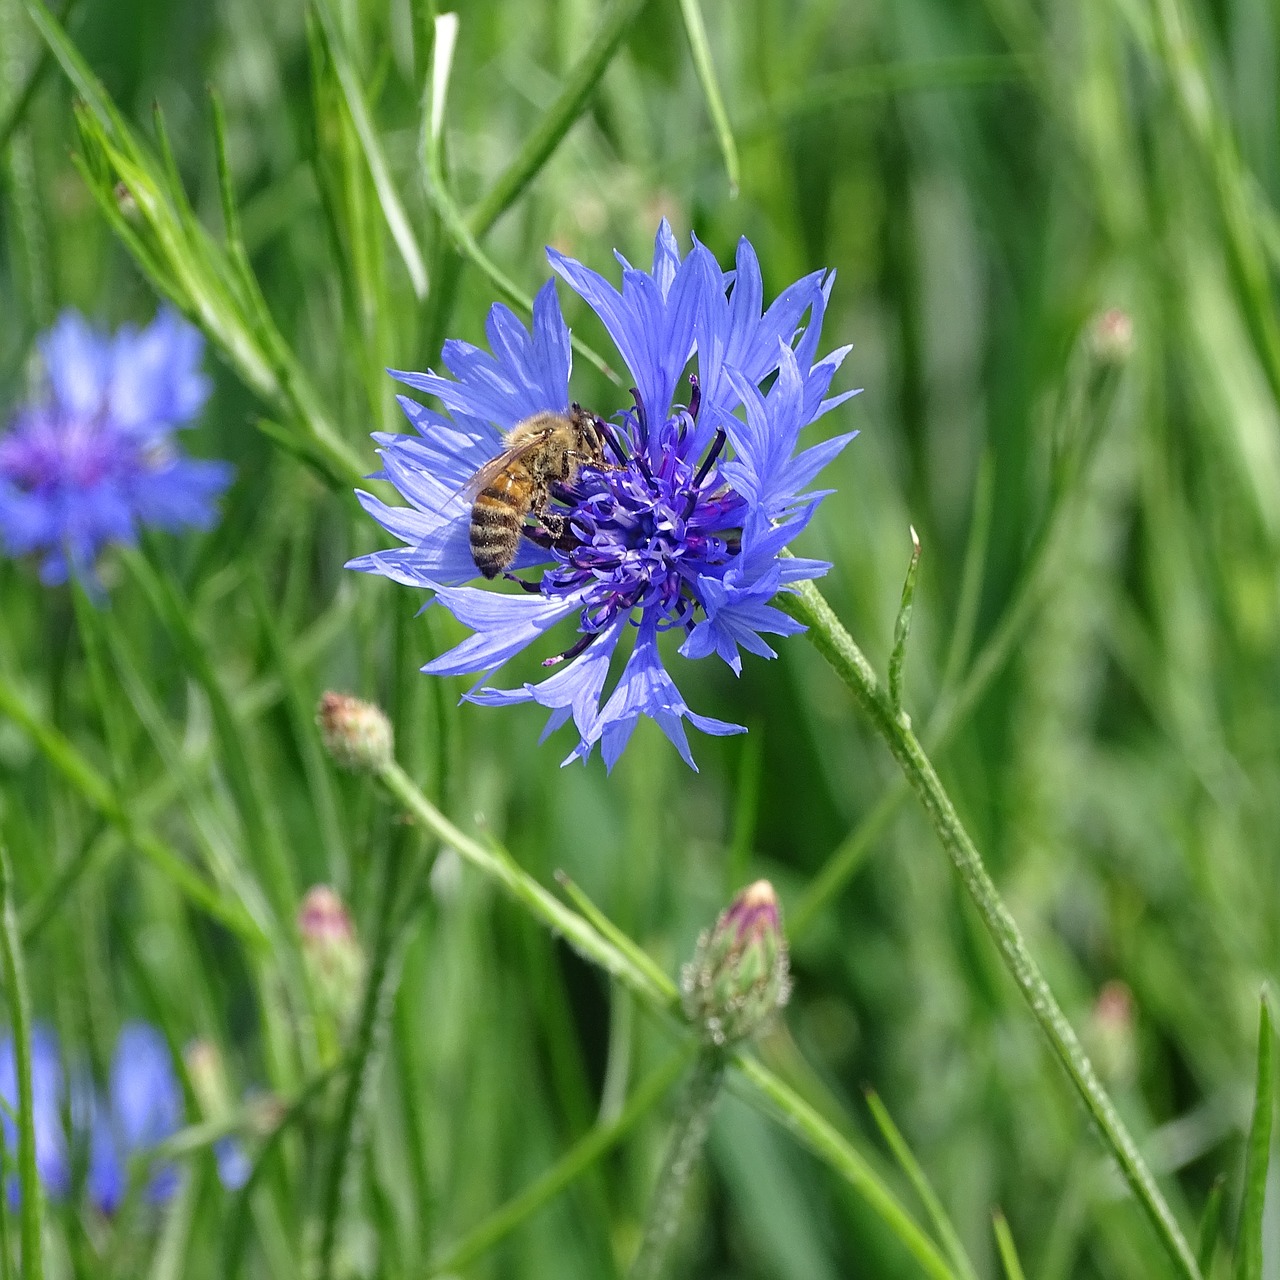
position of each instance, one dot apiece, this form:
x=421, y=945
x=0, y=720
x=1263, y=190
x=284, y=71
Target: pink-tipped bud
x=331, y=952
x=1112, y=336
x=1111, y=1036
x=356, y=734
x=739, y=976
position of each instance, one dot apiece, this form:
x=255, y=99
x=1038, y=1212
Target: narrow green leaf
x=834, y=1150
x=31, y=1208
x=388, y=197
x=442, y=199
x=1257, y=1155
x=88, y=86
x=1210, y=1226
x=1008, y=1253
x=902, y=626
x=928, y=1197
x=705, y=67
x=594, y=1144
x=634, y=952
x=574, y=98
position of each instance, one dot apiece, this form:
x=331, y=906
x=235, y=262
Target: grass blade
x=1008, y=1253
x=1210, y=1226
x=580, y=84
x=1257, y=1155
x=388, y=197
x=928, y=1197
x=19, y=1002
x=700, y=47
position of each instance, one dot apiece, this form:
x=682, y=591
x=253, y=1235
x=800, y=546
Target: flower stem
x=688, y=1133
x=20, y=1011
x=837, y=646
x=395, y=910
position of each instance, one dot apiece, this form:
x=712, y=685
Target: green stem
x=600, y=1139
x=391, y=931
x=837, y=646
x=559, y=119
x=688, y=1133
x=659, y=995
x=20, y=1011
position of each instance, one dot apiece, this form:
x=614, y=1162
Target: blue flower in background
x=48, y=1096
x=683, y=526
x=143, y=1105
x=92, y=459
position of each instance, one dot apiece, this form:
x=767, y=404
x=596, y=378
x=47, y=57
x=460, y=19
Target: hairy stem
x=688, y=1133
x=837, y=646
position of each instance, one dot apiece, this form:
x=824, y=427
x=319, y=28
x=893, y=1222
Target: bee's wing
x=495, y=467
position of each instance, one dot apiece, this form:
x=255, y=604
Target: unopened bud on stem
x=331, y=952
x=1112, y=336
x=739, y=976
x=356, y=734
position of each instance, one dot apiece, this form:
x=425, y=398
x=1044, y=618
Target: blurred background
x=1094, y=654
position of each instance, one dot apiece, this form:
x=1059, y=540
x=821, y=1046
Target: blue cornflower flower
x=681, y=528
x=91, y=459
x=48, y=1095
x=142, y=1107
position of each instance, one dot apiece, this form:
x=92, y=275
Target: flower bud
x=1112, y=337
x=208, y=1079
x=356, y=734
x=739, y=975
x=1110, y=1034
x=331, y=953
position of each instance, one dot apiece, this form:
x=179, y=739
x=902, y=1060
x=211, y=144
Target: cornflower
x=681, y=527
x=91, y=459
x=141, y=1107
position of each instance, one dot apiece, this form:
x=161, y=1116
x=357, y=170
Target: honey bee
x=542, y=453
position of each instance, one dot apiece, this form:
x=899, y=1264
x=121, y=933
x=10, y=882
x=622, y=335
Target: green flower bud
x=208, y=1079
x=332, y=955
x=739, y=975
x=356, y=734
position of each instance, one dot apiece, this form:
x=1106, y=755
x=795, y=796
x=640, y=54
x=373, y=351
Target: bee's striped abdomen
x=496, y=518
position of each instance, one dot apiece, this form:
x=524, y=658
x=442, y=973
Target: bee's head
x=589, y=437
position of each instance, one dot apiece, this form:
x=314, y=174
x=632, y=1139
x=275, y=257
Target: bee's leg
x=553, y=532
x=532, y=587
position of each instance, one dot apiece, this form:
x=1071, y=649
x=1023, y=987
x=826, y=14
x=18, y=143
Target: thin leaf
x=1257, y=1155
x=928, y=1197
x=902, y=626
x=388, y=197
x=700, y=47
x=1008, y=1253
x=1210, y=1226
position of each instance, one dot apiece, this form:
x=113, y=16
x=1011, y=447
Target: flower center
x=646, y=531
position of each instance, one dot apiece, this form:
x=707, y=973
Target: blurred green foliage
x=988, y=178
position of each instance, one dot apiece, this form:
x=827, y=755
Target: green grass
x=1094, y=657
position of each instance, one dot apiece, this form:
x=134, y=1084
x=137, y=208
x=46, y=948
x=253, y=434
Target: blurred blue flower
x=48, y=1095
x=683, y=528
x=91, y=459
x=142, y=1107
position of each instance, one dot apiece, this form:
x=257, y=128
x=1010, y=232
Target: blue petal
x=47, y=1095
x=156, y=382
x=644, y=688
x=146, y=1099
x=504, y=625
x=78, y=363
x=527, y=374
